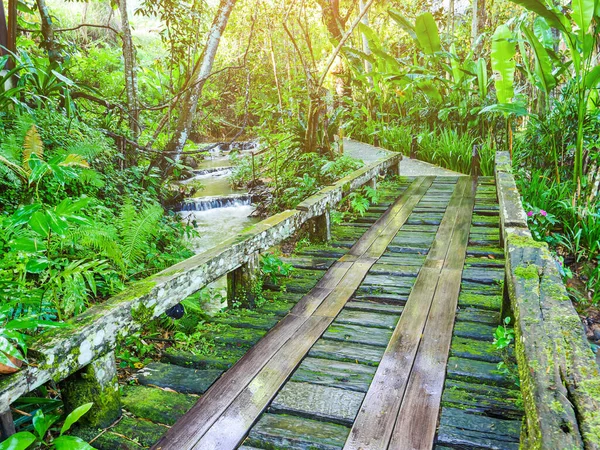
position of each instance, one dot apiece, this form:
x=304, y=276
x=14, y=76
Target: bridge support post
x=243, y=281
x=97, y=383
x=7, y=425
x=394, y=170
x=319, y=227
x=372, y=183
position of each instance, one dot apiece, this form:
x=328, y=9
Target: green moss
x=525, y=241
x=84, y=387
x=557, y=406
x=529, y=272
x=143, y=314
x=157, y=405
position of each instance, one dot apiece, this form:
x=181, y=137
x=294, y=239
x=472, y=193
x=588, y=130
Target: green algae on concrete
x=156, y=405
x=97, y=383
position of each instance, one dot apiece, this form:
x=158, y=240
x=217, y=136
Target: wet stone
x=472, y=330
x=394, y=269
x=358, y=334
x=483, y=275
x=467, y=430
x=479, y=316
x=386, y=281
x=478, y=251
x=285, y=432
x=144, y=432
x=482, y=399
x=318, y=402
x=484, y=262
x=338, y=374
x=258, y=322
x=181, y=379
x=357, y=305
x=309, y=262
x=347, y=351
x=402, y=260
x=188, y=359
x=368, y=319
x=476, y=372
x=473, y=349
x=156, y=405
x=106, y=441
x=237, y=337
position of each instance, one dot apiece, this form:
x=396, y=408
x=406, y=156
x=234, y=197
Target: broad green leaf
x=9, y=349
x=64, y=79
x=503, y=63
x=403, y=22
x=427, y=33
x=506, y=108
x=74, y=416
x=73, y=160
x=28, y=245
x=457, y=74
x=18, y=441
x=39, y=224
x=583, y=13
x=71, y=443
x=57, y=223
x=543, y=32
x=554, y=18
x=369, y=34
x=592, y=78
x=543, y=65
x=24, y=213
x=37, y=265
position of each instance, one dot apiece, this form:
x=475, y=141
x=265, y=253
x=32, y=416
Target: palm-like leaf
x=137, y=228
x=503, y=63
x=32, y=145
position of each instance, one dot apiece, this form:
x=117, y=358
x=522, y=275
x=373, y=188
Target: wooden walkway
x=390, y=347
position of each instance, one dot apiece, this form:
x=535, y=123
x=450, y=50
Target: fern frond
x=73, y=160
x=136, y=230
x=32, y=144
x=102, y=240
x=14, y=168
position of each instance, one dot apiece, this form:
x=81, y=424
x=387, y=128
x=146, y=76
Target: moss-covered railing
x=81, y=356
x=559, y=376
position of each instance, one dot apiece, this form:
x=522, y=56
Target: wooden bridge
x=382, y=338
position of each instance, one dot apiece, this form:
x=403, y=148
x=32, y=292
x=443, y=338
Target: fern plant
x=137, y=230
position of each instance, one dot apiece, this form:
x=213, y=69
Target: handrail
x=560, y=381
x=59, y=353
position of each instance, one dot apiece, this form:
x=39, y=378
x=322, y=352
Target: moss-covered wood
x=560, y=381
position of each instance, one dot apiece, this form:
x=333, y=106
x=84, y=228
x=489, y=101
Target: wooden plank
x=417, y=419
x=223, y=416
x=233, y=425
x=376, y=419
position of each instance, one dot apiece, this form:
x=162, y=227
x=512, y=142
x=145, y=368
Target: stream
x=218, y=211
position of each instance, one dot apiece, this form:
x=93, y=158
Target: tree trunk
x=450, y=19
x=478, y=21
x=365, y=41
x=331, y=17
x=49, y=40
x=130, y=71
x=3, y=30
x=198, y=78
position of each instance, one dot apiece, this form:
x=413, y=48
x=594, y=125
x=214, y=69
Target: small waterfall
x=216, y=171
x=206, y=203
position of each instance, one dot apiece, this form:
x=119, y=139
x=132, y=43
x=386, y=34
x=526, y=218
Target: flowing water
x=217, y=211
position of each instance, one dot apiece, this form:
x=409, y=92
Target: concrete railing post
x=319, y=227
x=7, y=425
x=97, y=382
x=242, y=283
x=413, y=148
x=475, y=161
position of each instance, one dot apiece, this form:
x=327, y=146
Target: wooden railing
x=559, y=376
x=87, y=345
